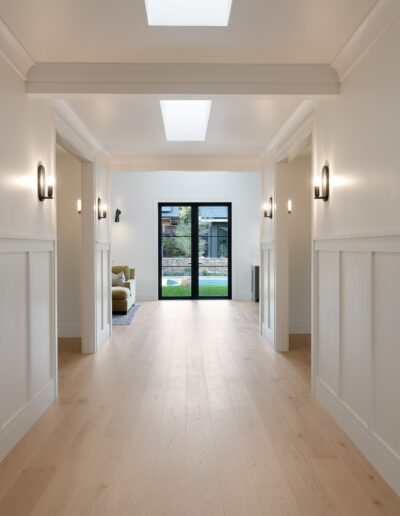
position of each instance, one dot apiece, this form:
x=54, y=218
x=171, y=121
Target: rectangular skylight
x=189, y=13
x=185, y=120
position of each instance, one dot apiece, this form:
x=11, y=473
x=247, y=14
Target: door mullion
x=195, y=251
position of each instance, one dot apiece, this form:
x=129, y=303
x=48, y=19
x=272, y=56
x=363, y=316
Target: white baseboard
x=69, y=330
x=103, y=336
x=145, y=297
x=381, y=457
x=267, y=334
x=15, y=428
x=299, y=327
x=243, y=295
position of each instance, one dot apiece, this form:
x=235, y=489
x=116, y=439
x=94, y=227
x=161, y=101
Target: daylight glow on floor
x=185, y=120
x=189, y=13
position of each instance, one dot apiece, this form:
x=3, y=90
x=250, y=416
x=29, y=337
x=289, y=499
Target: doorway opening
x=299, y=184
x=69, y=251
x=195, y=250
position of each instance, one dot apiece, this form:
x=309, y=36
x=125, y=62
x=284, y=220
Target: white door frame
x=286, y=153
x=66, y=136
x=285, y=150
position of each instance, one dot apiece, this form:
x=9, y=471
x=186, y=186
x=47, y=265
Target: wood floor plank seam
x=189, y=412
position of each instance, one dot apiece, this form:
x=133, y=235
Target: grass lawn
x=185, y=291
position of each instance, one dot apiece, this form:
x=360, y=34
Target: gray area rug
x=125, y=319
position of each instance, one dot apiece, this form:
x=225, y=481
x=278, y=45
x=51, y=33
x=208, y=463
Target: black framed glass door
x=194, y=250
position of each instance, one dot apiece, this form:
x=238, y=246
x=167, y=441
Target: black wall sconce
x=79, y=206
x=117, y=214
x=321, y=184
x=45, y=185
x=268, y=208
x=289, y=206
x=101, y=210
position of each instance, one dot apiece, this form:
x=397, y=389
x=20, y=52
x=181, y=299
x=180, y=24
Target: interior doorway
x=82, y=274
x=299, y=184
x=194, y=249
x=286, y=274
x=69, y=251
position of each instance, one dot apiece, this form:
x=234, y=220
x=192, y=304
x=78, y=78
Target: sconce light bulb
x=79, y=206
x=289, y=205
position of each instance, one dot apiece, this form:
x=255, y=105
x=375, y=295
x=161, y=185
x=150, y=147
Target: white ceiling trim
x=13, y=52
x=375, y=24
x=282, y=139
x=47, y=79
x=185, y=163
x=74, y=121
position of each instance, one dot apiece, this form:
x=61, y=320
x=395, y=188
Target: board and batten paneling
x=103, y=292
x=357, y=343
x=27, y=341
x=267, y=292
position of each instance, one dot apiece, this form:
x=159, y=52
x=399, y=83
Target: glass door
x=175, y=246
x=214, y=245
x=195, y=230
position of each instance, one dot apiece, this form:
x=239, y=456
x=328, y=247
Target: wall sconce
x=321, y=184
x=79, y=206
x=101, y=210
x=117, y=214
x=267, y=207
x=45, y=185
x=289, y=206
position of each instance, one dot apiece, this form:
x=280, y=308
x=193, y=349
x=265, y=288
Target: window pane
x=176, y=247
x=176, y=281
x=176, y=221
x=213, y=247
x=213, y=281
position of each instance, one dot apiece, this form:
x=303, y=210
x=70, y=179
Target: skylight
x=189, y=13
x=185, y=120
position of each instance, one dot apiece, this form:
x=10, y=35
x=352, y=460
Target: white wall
x=136, y=194
x=299, y=191
x=357, y=288
x=69, y=248
x=27, y=351
x=356, y=352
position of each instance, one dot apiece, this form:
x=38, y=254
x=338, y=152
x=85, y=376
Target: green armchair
x=124, y=297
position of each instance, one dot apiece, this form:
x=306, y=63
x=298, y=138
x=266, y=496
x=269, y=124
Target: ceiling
x=131, y=125
x=260, y=31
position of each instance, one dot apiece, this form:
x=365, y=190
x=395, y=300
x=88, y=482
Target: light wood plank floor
x=189, y=412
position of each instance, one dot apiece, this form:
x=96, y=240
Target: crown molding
x=62, y=79
x=13, y=52
x=185, y=163
x=295, y=127
x=375, y=24
x=68, y=115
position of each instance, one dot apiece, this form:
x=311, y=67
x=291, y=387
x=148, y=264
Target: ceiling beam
x=55, y=79
x=186, y=163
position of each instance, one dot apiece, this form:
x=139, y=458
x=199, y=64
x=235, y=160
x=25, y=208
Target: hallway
x=189, y=412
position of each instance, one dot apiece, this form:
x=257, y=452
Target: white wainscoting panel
x=327, y=331
x=103, y=289
x=386, y=349
x=355, y=328
x=28, y=339
x=357, y=343
x=41, y=320
x=267, y=294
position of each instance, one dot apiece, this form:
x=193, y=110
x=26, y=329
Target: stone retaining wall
x=207, y=266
